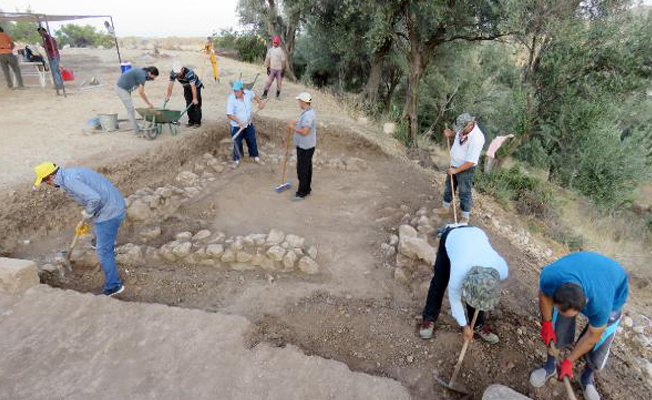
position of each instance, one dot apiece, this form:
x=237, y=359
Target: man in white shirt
x=462, y=250
x=465, y=154
x=239, y=112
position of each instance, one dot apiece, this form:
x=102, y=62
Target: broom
x=285, y=185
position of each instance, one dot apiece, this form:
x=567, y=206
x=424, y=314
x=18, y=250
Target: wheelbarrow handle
x=186, y=110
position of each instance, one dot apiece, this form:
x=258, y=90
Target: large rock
x=414, y=247
x=308, y=266
x=275, y=237
x=290, y=260
x=276, y=253
x=405, y=231
x=182, y=250
x=500, y=392
x=295, y=241
x=228, y=256
x=214, y=251
x=17, y=275
x=129, y=254
x=148, y=234
x=312, y=252
x=201, y=236
x=139, y=211
x=187, y=178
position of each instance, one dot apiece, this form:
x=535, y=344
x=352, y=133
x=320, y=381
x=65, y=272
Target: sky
x=142, y=17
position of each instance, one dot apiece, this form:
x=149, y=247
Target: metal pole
x=115, y=37
x=63, y=87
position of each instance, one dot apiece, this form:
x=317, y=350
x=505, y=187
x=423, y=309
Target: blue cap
x=237, y=85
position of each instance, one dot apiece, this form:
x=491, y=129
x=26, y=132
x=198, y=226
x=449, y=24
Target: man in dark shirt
x=192, y=87
x=130, y=80
x=52, y=50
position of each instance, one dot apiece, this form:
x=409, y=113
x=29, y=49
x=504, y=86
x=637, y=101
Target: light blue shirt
x=92, y=191
x=241, y=109
x=307, y=119
x=466, y=248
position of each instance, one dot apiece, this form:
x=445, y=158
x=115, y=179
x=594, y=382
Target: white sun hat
x=305, y=97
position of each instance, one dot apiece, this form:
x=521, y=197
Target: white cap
x=176, y=66
x=305, y=97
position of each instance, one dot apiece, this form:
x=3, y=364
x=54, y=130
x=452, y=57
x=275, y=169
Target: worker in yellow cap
x=103, y=205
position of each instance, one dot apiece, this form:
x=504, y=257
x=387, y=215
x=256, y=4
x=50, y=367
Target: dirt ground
x=353, y=311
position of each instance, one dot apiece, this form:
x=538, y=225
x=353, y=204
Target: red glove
x=548, y=333
x=565, y=370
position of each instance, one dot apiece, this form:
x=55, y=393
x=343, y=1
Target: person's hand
x=565, y=370
x=167, y=98
x=451, y=171
x=195, y=102
x=150, y=105
x=241, y=124
x=86, y=215
x=548, y=333
x=81, y=228
x=467, y=333
x=449, y=132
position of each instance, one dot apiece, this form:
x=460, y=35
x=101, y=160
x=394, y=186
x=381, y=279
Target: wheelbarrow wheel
x=153, y=131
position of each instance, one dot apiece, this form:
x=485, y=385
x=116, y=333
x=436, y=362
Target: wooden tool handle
x=74, y=240
x=569, y=389
x=287, y=151
x=448, y=141
x=458, y=366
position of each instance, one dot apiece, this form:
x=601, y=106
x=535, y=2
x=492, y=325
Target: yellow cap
x=43, y=170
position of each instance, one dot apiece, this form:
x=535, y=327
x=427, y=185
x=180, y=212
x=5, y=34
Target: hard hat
x=237, y=85
x=43, y=170
x=305, y=97
x=276, y=40
x=176, y=67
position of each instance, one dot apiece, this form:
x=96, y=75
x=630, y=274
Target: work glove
x=86, y=215
x=81, y=229
x=268, y=71
x=548, y=333
x=565, y=369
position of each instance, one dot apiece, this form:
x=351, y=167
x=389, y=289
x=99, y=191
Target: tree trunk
x=411, y=108
x=370, y=93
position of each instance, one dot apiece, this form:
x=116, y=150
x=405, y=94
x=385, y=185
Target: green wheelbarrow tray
x=160, y=115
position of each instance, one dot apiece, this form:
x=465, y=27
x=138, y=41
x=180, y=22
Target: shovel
x=456, y=371
x=569, y=389
x=68, y=253
x=285, y=185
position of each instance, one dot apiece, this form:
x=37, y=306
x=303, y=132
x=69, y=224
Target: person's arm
x=546, y=305
x=586, y=342
x=457, y=308
x=260, y=102
x=461, y=168
x=168, y=94
x=193, y=88
x=231, y=110
x=141, y=92
x=234, y=119
x=266, y=64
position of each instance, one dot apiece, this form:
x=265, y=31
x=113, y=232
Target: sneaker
x=485, y=334
x=236, y=163
x=540, y=376
x=442, y=211
x=590, y=392
x=257, y=160
x=427, y=328
x=113, y=292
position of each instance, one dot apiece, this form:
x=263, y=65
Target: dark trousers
x=304, y=170
x=248, y=135
x=439, y=284
x=194, y=112
x=463, y=183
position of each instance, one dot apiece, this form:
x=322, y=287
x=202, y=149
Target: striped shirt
x=189, y=78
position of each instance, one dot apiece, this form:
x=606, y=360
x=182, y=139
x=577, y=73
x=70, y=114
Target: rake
x=285, y=185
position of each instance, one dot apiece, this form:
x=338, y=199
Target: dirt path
x=353, y=311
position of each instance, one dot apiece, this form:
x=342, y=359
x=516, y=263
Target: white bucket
x=108, y=122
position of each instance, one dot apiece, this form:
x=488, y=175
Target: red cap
x=276, y=40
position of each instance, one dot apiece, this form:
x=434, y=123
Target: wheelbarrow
x=157, y=117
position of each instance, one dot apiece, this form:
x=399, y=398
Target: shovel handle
x=74, y=241
x=569, y=388
x=287, y=151
x=448, y=141
x=458, y=366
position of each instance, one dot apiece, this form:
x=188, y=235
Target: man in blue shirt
x=103, y=205
x=130, y=80
x=239, y=112
x=305, y=140
x=588, y=283
x=192, y=87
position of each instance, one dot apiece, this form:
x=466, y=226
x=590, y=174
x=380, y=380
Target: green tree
x=83, y=36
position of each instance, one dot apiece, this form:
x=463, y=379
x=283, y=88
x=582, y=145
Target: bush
x=250, y=47
x=527, y=194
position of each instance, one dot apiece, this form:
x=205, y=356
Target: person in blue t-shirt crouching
x=587, y=283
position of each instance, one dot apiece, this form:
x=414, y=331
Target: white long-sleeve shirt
x=469, y=247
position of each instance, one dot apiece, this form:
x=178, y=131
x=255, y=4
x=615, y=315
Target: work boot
x=485, y=334
x=442, y=210
x=264, y=96
x=427, y=328
x=540, y=376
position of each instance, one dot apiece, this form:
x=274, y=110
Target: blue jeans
x=54, y=65
x=463, y=183
x=107, y=232
x=249, y=135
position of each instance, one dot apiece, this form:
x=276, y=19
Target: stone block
x=17, y=275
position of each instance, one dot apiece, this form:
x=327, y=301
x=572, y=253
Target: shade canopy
x=34, y=17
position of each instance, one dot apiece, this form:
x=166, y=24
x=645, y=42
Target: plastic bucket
x=67, y=75
x=125, y=66
x=108, y=122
